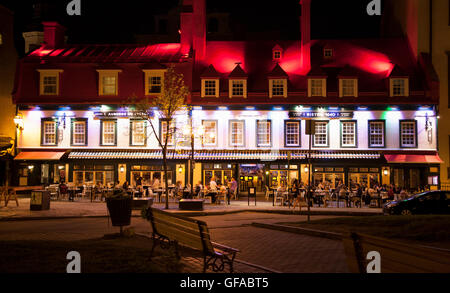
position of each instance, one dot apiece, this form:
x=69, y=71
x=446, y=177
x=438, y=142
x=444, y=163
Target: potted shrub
x=119, y=208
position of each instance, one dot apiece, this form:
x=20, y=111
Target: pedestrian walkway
x=65, y=209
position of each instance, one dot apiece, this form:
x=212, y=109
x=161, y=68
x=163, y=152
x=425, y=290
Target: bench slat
x=180, y=236
x=193, y=224
x=179, y=227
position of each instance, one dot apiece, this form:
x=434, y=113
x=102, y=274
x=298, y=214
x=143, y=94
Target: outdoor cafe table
x=318, y=196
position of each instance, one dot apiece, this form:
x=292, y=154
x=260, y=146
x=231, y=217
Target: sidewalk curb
x=297, y=230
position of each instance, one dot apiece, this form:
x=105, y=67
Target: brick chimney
x=305, y=23
x=53, y=34
x=193, y=27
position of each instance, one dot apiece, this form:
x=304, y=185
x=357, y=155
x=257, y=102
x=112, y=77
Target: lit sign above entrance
x=120, y=114
x=321, y=114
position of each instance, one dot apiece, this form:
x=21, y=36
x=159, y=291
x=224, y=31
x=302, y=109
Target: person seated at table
x=125, y=185
x=156, y=183
x=391, y=194
x=178, y=191
x=343, y=193
x=198, y=188
x=213, y=184
x=404, y=194
x=223, y=191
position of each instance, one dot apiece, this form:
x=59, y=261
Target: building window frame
x=275, y=85
x=102, y=132
x=343, y=87
x=230, y=123
x=343, y=133
x=172, y=131
x=394, y=87
x=49, y=73
x=133, y=132
x=149, y=77
x=402, y=134
x=207, y=88
x=370, y=134
x=231, y=90
x=313, y=89
x=267, y=143
x=207, y=136
x=44, y=133
x=327, y=134
x=73, y=124
x=105, y=73
x=298, y=133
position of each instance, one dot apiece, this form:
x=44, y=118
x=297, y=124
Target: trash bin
x=40, y=200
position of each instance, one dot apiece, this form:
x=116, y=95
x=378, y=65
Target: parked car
x=429, y=202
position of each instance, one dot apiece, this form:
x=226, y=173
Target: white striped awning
x=234, y=155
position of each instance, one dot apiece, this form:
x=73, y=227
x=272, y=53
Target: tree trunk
x=166, y=177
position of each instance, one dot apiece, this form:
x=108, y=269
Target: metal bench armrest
x=224, y=247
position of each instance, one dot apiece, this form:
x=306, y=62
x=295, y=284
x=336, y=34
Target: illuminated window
x=348, y=134
x=154, y=81
x=210, y=88
x=348, y=87
x=263, y=133
x=138, y=132
x=278, y=87
x=408, y=134
x=210, y=136
x=317, y=87
x=236, y=133
x=376, y=133
x=321, y=136
x=167, y=135
x=108, y=82
x=399, y=87
x=79, y=131
x=49, y=132
x=108, y=132
x=238, y=88
x=49, y=81
x=292, y=133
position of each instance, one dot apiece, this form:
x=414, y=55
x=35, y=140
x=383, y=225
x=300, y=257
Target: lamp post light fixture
x=18, y=121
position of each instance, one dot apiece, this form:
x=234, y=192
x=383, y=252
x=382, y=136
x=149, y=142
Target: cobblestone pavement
x=276, y=250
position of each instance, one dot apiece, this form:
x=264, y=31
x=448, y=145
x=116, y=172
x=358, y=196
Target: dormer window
x=328, y=53
x=49, y=82
x=154, y=82
x=277, y=53
x=278, y=88
x=210, y=88
x=348, y=87
x=238, y=88
x=399, y=87
x=317, y=87
x=108, y=82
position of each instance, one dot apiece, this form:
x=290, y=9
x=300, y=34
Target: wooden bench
x=171, y=230
x=395, y=257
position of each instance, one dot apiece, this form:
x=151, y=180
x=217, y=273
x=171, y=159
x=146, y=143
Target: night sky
x=106, y=21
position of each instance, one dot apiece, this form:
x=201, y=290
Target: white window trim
x=355, y=136
x=324, y=87
x=285, y=89
x=74, y=132
x=341, y=87
x=49, y=73
x=172, y=128
x=327, y=134
x=44, y=133
x=242, y=122
x=382, y=134
x=269, y=128
x=150, y=73
x=230, y=88
x=298, y=134
x=103, y=133
x=414, y=123
x=391, y=86
x=104, y=73
x=216, y=80
x=206, y=134
x=132, y=132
